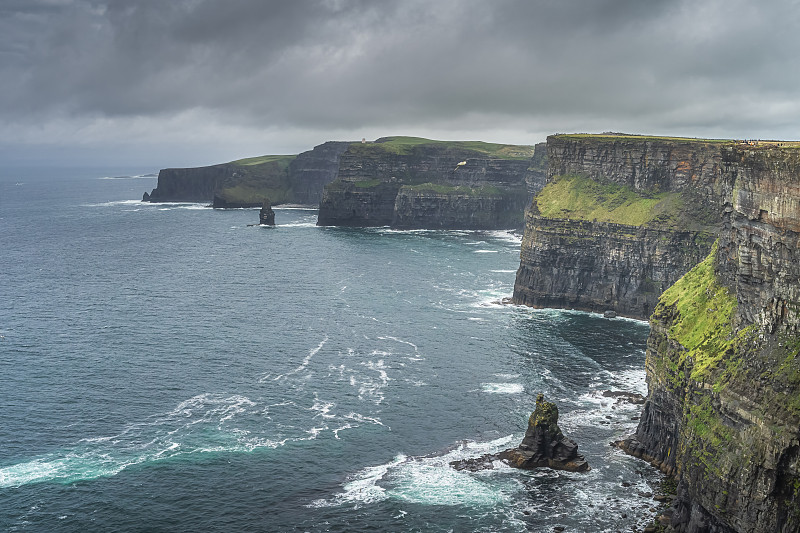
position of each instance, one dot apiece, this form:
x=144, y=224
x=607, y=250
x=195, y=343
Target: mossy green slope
x=257, y=178
x=581, y=198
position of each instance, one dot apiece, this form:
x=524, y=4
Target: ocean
x=171, y=367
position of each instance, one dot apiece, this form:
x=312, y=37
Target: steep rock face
x=417, y=183
x=476, y=209
x=599, y=266
x=312, y=170
x=622, y=263
x=536, y=177
x=188, y=184
x=723, y=361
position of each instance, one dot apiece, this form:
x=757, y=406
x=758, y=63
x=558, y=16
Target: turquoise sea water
x=166, y=367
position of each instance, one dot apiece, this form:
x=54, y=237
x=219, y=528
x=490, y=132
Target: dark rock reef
x=246, y=182
x=408, y=182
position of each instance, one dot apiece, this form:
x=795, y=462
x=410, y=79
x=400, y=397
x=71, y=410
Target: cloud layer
x=189, y=76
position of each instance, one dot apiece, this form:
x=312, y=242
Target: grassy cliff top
x=406, y=145
x=582, y=198
x=260, y=160
x=606, y=137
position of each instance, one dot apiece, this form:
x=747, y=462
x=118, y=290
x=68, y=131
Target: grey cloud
x=351, y=64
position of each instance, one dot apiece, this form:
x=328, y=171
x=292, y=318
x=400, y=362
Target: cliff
x=620, y=219
x=409, y=182
x=723, y=360
x=247, y=182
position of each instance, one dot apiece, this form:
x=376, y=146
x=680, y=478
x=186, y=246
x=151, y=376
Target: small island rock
x=544, y=443
x=266, y=216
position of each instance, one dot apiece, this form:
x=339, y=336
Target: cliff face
x=599, y=266
x=188, y=184
x=621, y=219
x=312, y=170
x=417, y=183
x=723, y=360
x=247, y=182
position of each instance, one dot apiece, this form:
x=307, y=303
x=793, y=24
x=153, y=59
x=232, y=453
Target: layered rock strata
x=417, y=183
x=596, y=254
x=723, y=361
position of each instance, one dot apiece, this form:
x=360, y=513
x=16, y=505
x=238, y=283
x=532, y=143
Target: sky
x=194, y=82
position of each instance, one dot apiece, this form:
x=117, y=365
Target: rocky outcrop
x=544, y=443
x=572, y=259
x=544, y=446
x=246, y=182
x=266, y=217
x=417, y=183
x=723, y=360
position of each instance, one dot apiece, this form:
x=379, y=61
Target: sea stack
x=544, y=443
x=266, y=216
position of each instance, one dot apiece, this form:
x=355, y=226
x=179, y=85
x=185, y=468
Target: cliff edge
x=723, y=360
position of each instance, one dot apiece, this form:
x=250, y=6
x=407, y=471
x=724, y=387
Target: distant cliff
x=408, y=182
x=620, y=219
x=723, y=360
x=247, y=182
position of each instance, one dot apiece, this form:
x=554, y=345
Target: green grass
x=705, y=311
x=406, y=146
x=368, y=184
x=486, y=190
x=581, y=198
x=283, y=160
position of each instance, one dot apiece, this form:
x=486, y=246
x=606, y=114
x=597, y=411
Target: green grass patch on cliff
x=438, y=188
x=407, y=145
x=582, y=198
x=281, y=160
x=368, y=184
x=703, y=323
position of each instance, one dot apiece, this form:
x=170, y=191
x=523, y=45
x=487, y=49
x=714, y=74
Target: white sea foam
x=506, y=376
x=428, y=480
x=486, y=251
x=303, y=365
x=114, y=203
x=505, y=235
x=503, y=271
x=502, y=388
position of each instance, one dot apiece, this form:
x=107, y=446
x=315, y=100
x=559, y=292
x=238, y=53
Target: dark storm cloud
x=662, y=66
